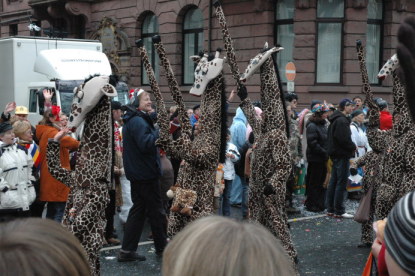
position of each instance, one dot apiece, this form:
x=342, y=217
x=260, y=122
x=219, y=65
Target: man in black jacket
x=340, y=149
x=142, y=167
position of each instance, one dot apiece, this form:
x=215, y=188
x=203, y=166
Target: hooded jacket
x=238, y=129
x=51, y=189
x=140, y=156
x=340, y=144
x=316, y=140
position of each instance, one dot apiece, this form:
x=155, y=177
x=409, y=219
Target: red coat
x=385, y=120
x=50, y=188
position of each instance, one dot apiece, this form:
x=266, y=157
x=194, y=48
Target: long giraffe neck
x=162, y=116
x=174, y=89
x=367, y=90
x=94, y=162
x=227, y=40
x=404, y=121
x=273, y=107
x=211, y=123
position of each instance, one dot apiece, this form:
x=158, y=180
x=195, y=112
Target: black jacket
x=140, y=155
x=340, y=144
x=316, y=140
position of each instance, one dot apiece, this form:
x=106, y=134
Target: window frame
x=378, y=22
x=277, y=23
x=326, y=20
x=153, y=57
x=197, y=32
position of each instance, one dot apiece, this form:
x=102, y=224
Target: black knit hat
x=400, y=233
x=357, y=112
x=5, y=127
x=115, y=105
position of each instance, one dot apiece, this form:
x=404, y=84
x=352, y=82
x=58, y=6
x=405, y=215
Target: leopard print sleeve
x=54, y=164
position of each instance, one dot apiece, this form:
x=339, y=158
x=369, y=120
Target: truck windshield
x=122, y=93
x=66, y=94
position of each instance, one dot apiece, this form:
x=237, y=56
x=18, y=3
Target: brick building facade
x=318, y=36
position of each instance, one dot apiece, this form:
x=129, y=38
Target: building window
x=193, y=42
x=374, y=39
x=284, y=33
x=13, y=30
x=330, y=17
x=150, y=28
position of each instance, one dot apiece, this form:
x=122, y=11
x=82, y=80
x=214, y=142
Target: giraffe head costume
x=402, y=121
x=85, y=208
x=205, y=71
x=87, y=96
x=256, y=62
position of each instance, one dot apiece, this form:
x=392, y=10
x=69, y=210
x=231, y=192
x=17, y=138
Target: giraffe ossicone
x=256, y=62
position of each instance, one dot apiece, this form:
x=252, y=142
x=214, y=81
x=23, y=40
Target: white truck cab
x=29, y=64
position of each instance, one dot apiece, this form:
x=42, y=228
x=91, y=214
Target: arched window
x=284, y=31
x=150, y=28
x=374, y=38
x=330, y=19
x=193, y=42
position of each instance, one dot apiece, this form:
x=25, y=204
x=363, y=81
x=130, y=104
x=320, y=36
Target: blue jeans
x=226, y=196
x=245, y=188
x=336, y=191
x=236, y=190
x=55, y=210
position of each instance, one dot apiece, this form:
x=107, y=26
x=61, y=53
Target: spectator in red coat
x=385, y=116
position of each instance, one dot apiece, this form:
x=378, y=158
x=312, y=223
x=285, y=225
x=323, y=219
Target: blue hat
x=346, y=102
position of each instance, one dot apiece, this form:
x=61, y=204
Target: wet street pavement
x=325, y=245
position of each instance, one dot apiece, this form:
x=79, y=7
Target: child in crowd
x=219, y=187
x=232, y=156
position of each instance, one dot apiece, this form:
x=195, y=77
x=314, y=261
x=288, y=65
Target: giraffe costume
x=372, y=160
x=201, y=156
x=271, y=161
x=406, y=55
x=181, y=196
x=85, y=209
x=398, y=176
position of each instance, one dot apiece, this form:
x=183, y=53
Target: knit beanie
x=357, y=112
x=400, y=233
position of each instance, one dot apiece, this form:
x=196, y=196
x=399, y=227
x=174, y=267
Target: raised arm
x=53, y=159
x=162, y=116
x=174, y=87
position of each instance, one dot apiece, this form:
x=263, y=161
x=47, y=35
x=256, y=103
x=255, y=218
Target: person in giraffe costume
x=85, y=209
x=372, y=160
x=202, y=155
x=406, y=55
x=398, y=176
x=271, y=163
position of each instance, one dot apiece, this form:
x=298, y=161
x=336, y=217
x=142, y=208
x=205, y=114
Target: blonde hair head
x=220, y=246
x=36, y=246
x=20, y=127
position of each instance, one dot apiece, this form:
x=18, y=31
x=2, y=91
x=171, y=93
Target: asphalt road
x=326, y=246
